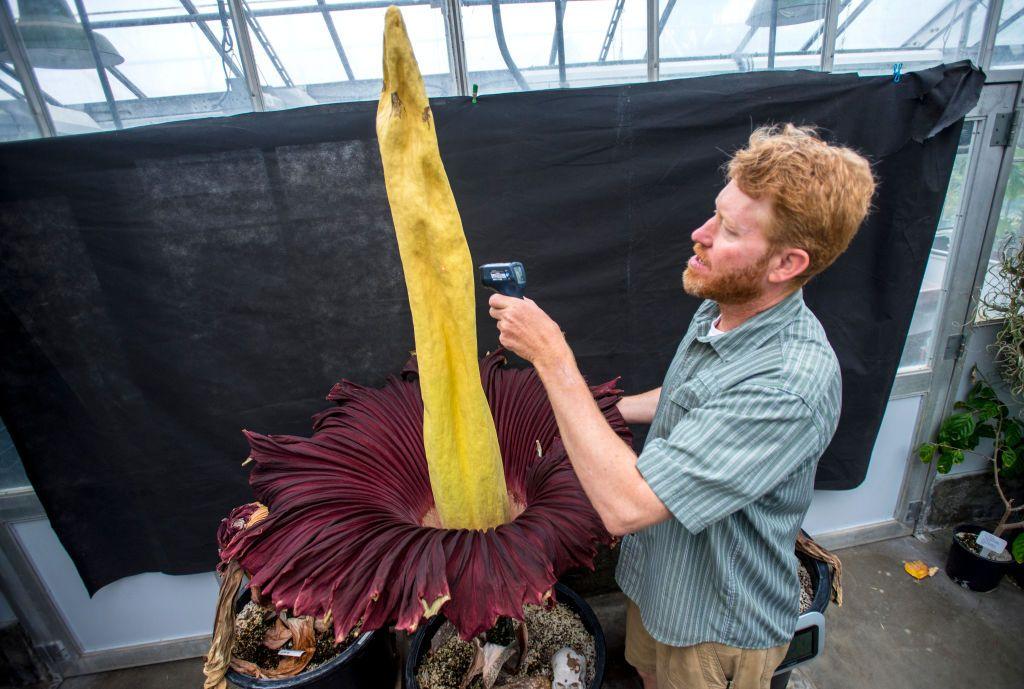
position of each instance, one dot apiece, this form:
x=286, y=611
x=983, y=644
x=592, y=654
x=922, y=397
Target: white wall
x=135, y=610
x=875, y=499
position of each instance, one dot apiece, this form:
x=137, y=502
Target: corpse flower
x=352, y=533
x=446, y=490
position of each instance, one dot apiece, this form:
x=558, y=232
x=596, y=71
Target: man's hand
x=605, y=466
x=526, y=330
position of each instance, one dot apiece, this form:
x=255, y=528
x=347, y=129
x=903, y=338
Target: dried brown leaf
x=495, y=657
x=303, y=639
x=442, y=636
x=245, y=667
x=277, y=636
x=476, y=666
x=523, y=641
x=218, y=659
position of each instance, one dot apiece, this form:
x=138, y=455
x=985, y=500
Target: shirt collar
x=753, y=332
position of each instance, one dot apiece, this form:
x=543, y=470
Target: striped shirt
x=742, y=420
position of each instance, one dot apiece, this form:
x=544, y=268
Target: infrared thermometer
x=505, y=278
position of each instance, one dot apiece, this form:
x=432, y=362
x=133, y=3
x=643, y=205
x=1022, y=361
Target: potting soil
x=548, y=631
x=970, y=541
x=806, y=589
x=251, y=626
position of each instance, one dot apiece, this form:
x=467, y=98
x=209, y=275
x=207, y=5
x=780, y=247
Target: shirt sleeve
x=728, y=452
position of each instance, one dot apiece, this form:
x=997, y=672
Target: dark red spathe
x=344, y=531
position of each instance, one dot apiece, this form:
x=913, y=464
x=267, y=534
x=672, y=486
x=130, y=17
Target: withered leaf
x=495, y=657
x=476, y=666
x=442, y=636
x=277, y=636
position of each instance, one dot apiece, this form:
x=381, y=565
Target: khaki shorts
x=703, y=666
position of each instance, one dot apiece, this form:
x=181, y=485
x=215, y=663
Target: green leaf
x=1008, y=458
x=945, y=462
x=956, y=430
x=985, y=430
x=926, y=451
x=958, y=456
x=1012, y=432
x=981, y=392
x=1017, y=548
x=988, y=410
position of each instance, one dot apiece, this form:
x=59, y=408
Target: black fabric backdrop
x=166, y=286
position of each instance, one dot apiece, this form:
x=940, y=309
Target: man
x=713, y=504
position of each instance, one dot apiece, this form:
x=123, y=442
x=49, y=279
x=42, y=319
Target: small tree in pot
x=982, y=415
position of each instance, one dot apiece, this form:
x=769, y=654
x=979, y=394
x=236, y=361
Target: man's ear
x=787, y=264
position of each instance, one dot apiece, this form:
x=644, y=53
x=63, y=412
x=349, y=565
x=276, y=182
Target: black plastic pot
x=821, y=581
x=969, y=569
x=420, y=643
x=368, y=663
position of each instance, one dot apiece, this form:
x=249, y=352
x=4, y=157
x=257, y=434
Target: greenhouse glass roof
x=165, y=60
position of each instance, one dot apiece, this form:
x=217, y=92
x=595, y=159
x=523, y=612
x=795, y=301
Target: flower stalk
x=463, y=458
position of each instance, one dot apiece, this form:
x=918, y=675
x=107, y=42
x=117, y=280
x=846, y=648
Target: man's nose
x=702, y=235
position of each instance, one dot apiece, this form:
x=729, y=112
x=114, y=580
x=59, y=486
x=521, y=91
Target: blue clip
x=897, y=72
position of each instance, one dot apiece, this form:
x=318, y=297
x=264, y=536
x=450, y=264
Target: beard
x=736, y=287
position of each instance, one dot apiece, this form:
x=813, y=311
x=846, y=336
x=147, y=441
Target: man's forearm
x=640, y=408
x=605, y=465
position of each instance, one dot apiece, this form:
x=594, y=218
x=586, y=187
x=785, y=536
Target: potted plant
x=982, y=415
x=446, y=490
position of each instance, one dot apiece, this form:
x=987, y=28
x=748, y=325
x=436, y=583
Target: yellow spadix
x=464, y=461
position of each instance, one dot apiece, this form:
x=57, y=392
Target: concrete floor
x=893, y=632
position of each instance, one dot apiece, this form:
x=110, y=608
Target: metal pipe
x=653, y=42
x=924, y=31
x=24, y=73
x=560, y=41
x=101, y=72
x=988, y=40
x=830, y=29
x=499, y=34
x=609, y=33
x=14, y=75
x=965, y=30
x=746, y=39
x=821, y=27
x=773, y=28
x=268, y=49
x=335, y=39
x=252, y=78
x=669, y=6
x=128, y=84
x=456, y=42
x=201, y=25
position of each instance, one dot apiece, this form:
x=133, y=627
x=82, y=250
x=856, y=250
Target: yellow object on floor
x=461, y=443
x=919, y=570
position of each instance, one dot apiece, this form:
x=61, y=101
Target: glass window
x=515, y=46
x=16, y=119
x=920, y=338
x=12, y=473
x=1009, y=48
x=1009, y=232
x=872, y=36
x=160, y=61
x=307, y=53
x=739, y=36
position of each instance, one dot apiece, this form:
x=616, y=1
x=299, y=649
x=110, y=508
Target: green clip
x=474, y=93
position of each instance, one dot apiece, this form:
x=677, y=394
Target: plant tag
x=290, y=652
x=991, y=542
